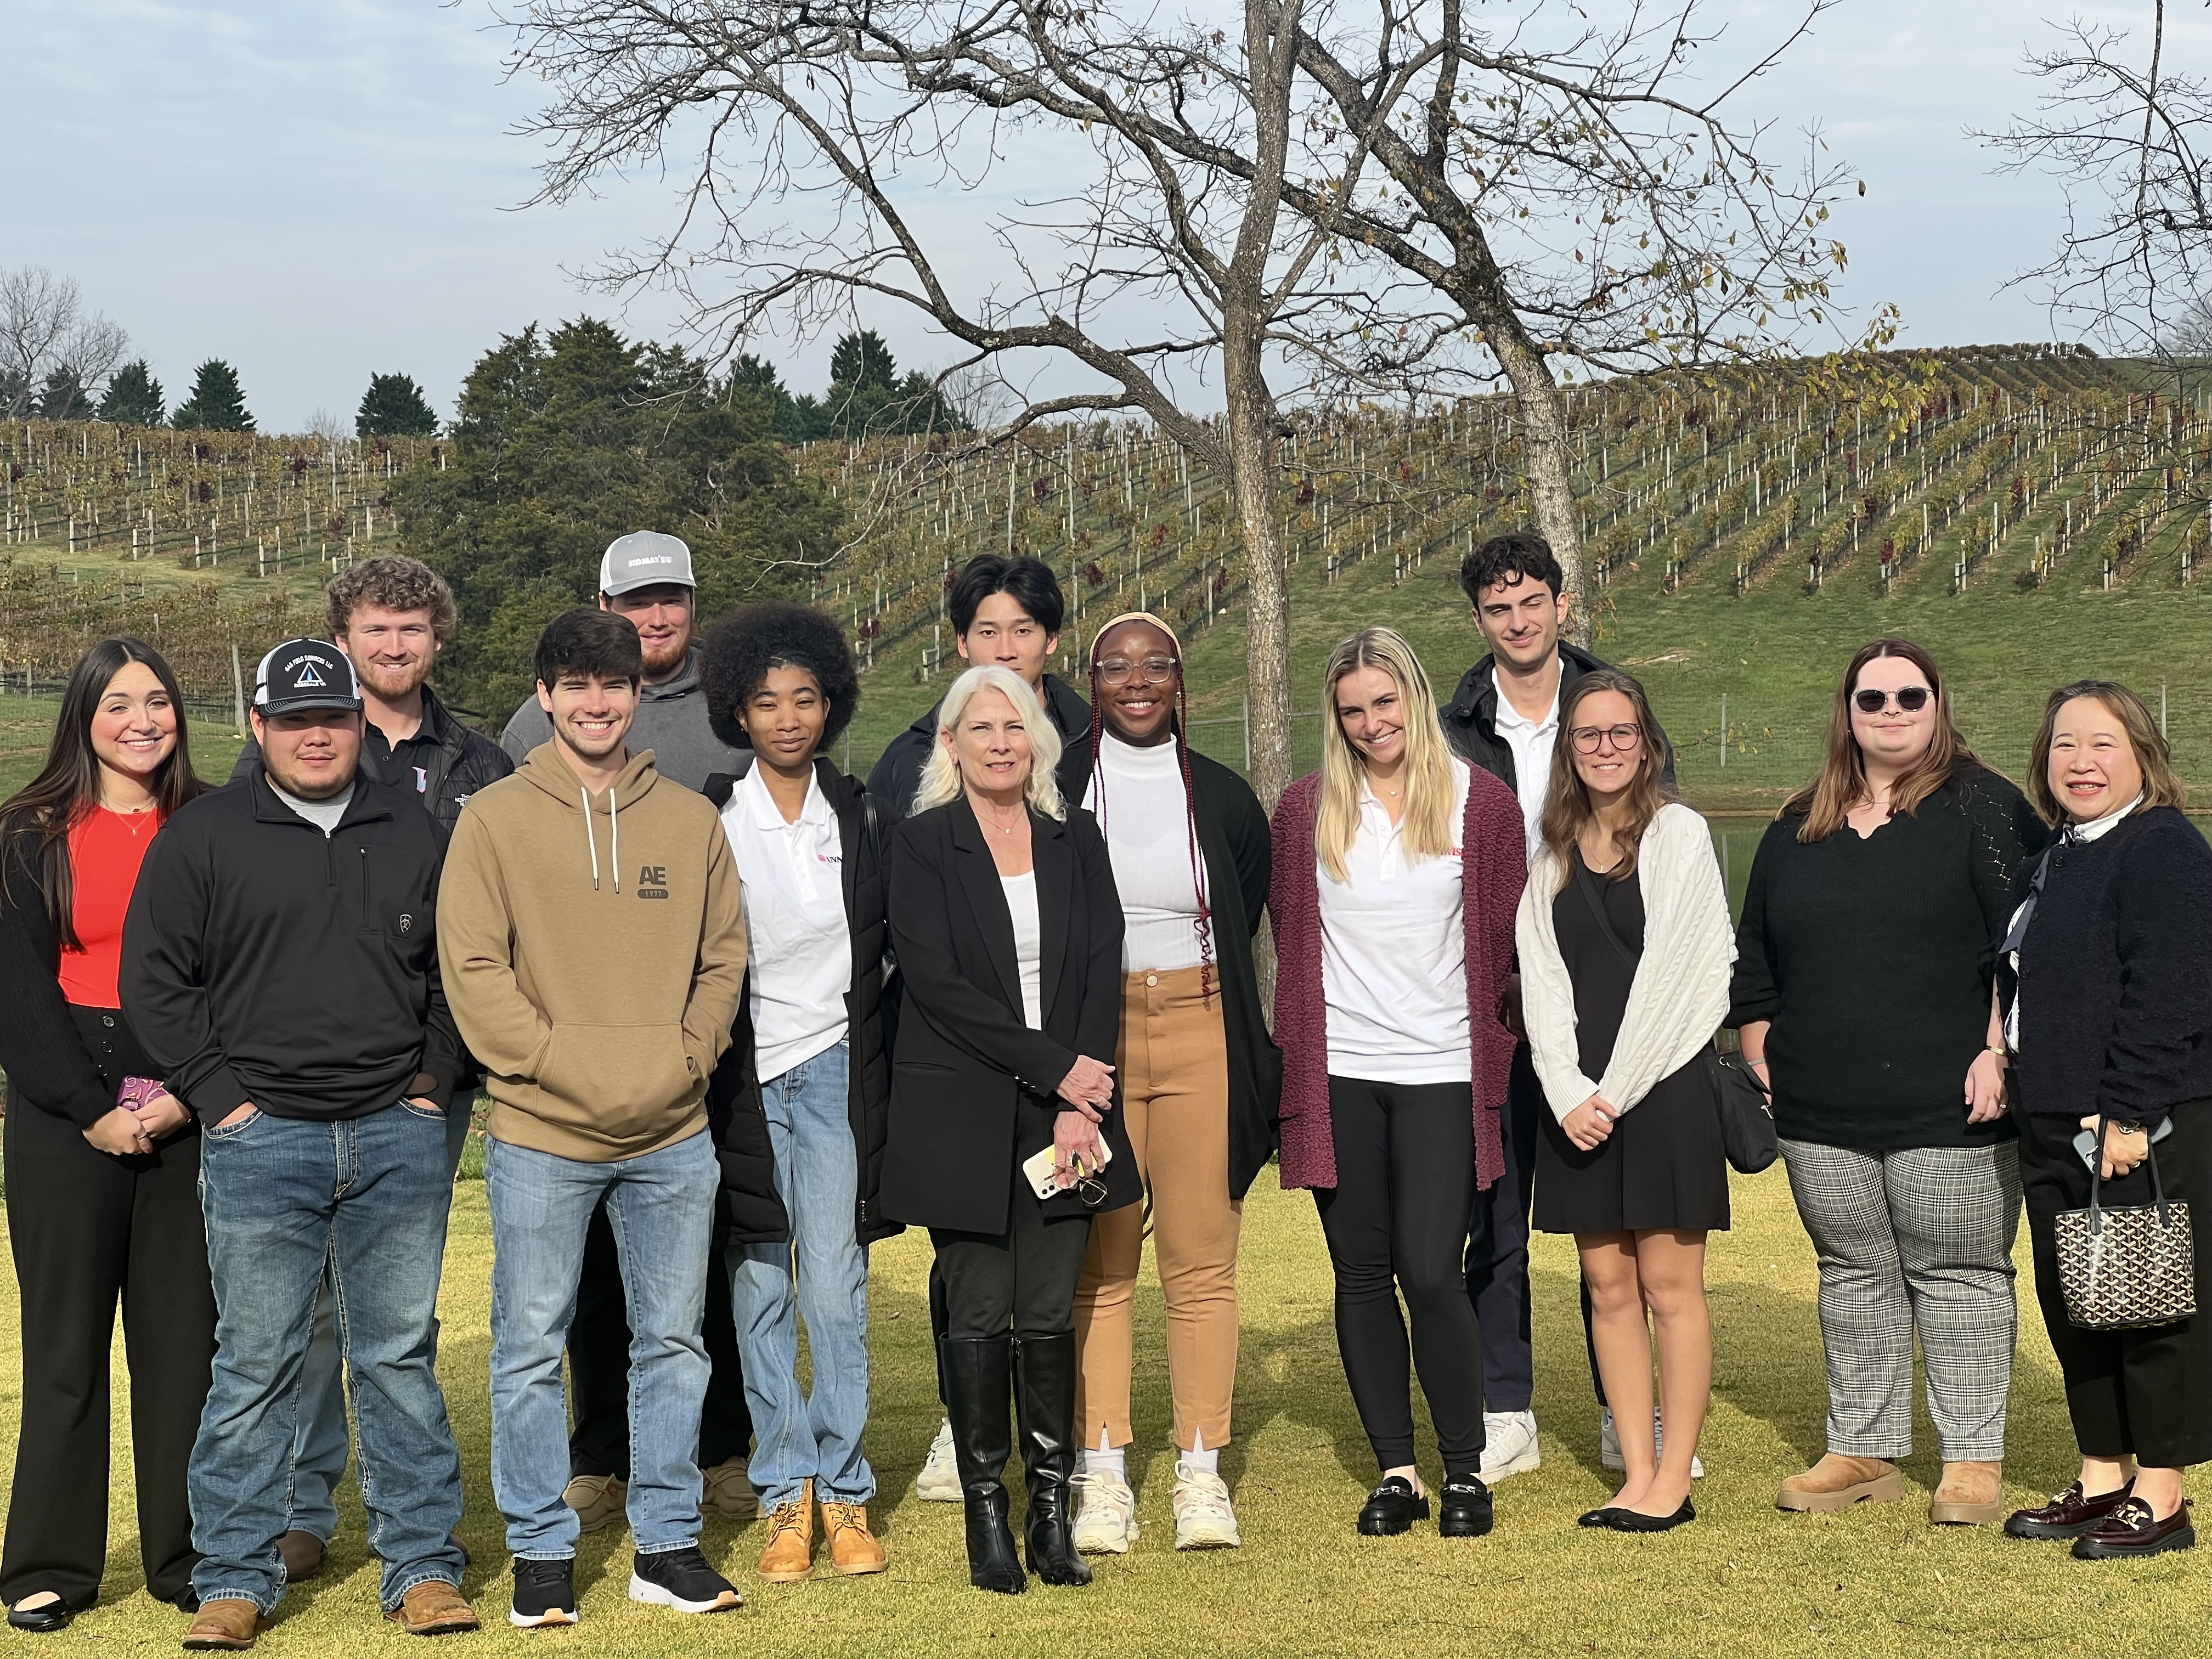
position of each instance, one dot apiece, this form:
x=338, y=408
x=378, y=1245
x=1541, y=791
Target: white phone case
x=1038, y=1167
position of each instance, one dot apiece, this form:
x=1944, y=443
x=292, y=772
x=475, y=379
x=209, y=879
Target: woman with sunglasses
x=1864, y=975
x=1199, y=1076
x=1004, y=1138
x=1397, y=871
x=1625, y=952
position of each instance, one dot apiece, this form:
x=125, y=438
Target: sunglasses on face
x=1911, y=699
x=1587, y=738
x=1154, y=670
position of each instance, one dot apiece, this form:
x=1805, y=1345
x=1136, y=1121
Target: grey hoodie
x=671, y=721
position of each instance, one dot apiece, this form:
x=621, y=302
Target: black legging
x=1396, y=1222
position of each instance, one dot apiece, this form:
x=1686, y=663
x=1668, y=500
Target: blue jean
x=801, y=1436
x=287, y=1202
x=319, y=1450
x=661, y=1207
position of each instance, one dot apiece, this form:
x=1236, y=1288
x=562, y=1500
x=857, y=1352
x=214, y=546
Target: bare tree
x=46, y=330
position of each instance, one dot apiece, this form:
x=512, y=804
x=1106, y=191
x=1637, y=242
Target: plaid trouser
x=1920, y=1236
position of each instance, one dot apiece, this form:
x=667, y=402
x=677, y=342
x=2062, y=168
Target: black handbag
x=1747, y=1121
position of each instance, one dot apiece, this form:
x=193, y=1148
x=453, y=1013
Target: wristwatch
x=2127, y=1128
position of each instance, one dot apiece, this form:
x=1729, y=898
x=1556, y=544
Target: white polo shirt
x=1531, y=742
x=800, y=945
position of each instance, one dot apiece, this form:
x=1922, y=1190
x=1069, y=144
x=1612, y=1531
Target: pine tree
x=62, y=397
x=862, y=359
x=133, y=396
x=394, y=407
x=217, y=404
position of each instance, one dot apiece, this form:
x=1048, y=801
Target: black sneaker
x=1391, y=1508
x=1463, y=1509
x=544, y=1592
x=681, y=1579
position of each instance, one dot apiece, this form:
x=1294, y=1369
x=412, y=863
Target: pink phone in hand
x=139, y=1092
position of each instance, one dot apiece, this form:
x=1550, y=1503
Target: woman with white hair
x=1005, y=1139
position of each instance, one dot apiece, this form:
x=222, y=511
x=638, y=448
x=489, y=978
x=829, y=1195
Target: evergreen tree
x=862, y=360
x=394, y=407
x=217, y=404
x=62, y=397
x=133, y=396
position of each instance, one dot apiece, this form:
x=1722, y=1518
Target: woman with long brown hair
x=1625, y=951
x=102, y=1161
x=1865, y=963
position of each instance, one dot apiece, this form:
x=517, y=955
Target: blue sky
x=316, y=192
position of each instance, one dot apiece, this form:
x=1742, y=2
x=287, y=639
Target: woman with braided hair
x=1199, y=1076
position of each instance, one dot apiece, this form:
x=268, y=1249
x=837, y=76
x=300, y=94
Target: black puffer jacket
x=735, y=1115
x=1470, y=719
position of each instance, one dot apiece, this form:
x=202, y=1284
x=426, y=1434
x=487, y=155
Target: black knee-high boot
x=1044, y=1403
x=977, y=1374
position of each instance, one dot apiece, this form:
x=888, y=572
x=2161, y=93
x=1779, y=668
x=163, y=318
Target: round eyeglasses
x=1153, y=671
x=1588, y=738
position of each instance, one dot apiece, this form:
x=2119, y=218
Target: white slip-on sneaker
x=1204, y=1519
x=939, y=1480
x=1609, y=1445
x=1508, y=1445
x=1105, y=1515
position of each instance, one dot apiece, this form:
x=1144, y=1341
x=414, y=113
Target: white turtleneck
x=1138, y=796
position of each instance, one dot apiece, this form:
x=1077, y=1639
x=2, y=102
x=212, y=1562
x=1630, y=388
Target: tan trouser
x=1174, y=1067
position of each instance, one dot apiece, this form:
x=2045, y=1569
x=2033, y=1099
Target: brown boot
x=852, y=1548
x=1970, y=1494
x=433, y=1608
x=1837, y=1482
x=788, y=1555
x=230, y=1624
x=303, y=1554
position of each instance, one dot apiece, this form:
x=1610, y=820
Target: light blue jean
x=661, y=1207
x=287, y=1202
x=319, y=1450
x=799, y=1436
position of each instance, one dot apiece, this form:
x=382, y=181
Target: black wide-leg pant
x=88, y=1232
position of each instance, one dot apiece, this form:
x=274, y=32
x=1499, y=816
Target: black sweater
x=1873, y=957
x=2115, y=981
x=264, y=962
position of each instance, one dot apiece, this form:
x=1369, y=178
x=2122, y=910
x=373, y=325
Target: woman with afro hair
x=798, y=1104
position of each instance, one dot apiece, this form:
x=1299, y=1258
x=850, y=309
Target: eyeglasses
x=1154, y=670
x=1588, y=738
x=1911, y=698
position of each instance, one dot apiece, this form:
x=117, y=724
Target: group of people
x=741, y=1016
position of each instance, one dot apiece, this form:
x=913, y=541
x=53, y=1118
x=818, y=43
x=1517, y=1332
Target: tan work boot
x=727, y=1488
x=1837, y=1482
x=852, y=1548
x=788, y=1555
x=433, y=1608
x=229, y=1624
x=598, y=1499
x=1970, y=1494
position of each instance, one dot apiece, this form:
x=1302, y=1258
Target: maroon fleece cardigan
x=1493, y=855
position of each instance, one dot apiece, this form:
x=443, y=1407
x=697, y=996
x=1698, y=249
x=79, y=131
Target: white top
x=1531, y=742
x=1029, y=944
x=1681, y=992
x=323, y=814
x=2078, y=832
x=1394, y=954
x=1138, y=795
x=800, y=946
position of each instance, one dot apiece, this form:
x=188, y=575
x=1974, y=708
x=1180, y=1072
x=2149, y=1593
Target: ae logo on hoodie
x=652, y=881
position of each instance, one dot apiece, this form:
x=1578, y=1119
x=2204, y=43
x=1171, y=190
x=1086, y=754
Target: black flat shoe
x=42, y=1620
x=1392, y=1508
x=2131, y=1530
x=1597, y=1518
x=1630, y=1520
x=1463, y=1509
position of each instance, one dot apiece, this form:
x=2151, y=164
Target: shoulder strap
x=1586, y=885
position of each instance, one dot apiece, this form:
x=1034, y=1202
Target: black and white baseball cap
x=645, y=558
x=303, y=674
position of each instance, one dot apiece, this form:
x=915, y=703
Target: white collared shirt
x=800, y=946
x=1394, y=954
x=1531, y=743
x=2078, y=832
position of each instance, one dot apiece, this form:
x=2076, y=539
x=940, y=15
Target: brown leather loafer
x=433, y=1608
x=2067, y=1514
x=228, y=1626
x=1837, y=1482
x=2131, y=1530
x=304, y=1554
x=1970, y=1494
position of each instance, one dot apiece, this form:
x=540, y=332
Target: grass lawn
x=1743, y=1579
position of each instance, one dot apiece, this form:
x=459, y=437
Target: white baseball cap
x=645, y=558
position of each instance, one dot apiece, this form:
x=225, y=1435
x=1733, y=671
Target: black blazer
x=972, y=1085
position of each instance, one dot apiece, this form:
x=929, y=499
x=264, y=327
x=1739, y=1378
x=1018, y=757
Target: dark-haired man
x=593, y=944
x=1005, y=613
x=1505, y=717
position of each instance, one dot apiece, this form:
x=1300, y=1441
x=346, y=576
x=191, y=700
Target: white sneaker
x=1204, y=1519
x=1609, y=1445
x=939, y=1480
x=1106, y=1514
x=1508, y=1445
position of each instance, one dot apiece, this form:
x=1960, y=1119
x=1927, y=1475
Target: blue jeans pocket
x=220, y=1132
x=413, y=1111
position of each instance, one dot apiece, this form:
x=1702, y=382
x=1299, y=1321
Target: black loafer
x=1463, y=1509
x=2132, y=1530
x=41, y=1620
x=2069, y=1514
x=1630, y=1520
x=1392, y=1508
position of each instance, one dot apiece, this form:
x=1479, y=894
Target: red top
x=106, y=849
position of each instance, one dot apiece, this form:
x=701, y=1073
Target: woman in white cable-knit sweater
x=1626, y=947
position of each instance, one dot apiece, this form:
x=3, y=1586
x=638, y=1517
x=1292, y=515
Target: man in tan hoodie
x=593, y=952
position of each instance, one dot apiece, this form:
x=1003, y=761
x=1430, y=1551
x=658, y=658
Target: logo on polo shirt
x=652, y=881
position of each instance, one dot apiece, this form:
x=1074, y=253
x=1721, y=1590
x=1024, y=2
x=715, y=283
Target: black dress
x=1663, y=1165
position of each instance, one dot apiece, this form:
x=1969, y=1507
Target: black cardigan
x=1873, y=957
x=1234, y=840
x=756, y=1213
x=972, y=1088
x=2114, y=987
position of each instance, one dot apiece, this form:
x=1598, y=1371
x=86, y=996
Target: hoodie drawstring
x=614, y=818
x=590, y=840
x=614, y=815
